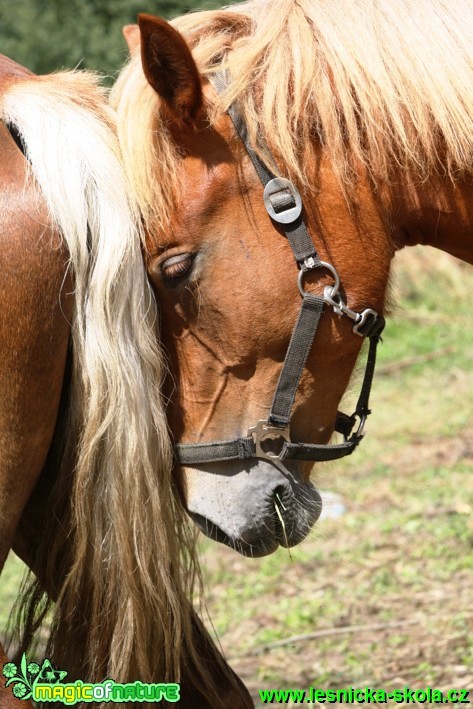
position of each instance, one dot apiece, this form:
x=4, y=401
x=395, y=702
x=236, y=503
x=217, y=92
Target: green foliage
x=54, y=34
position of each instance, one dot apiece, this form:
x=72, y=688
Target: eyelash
x=178, y=269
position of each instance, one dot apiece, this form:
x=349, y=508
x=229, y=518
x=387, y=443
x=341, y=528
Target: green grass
x=9, y=585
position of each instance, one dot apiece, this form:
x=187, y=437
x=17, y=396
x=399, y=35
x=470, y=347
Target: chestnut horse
x=367, y=109
x=86, y=497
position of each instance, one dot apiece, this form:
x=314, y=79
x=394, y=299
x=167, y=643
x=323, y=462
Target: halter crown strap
x=284, y=205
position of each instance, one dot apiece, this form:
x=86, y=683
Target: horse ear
x=132, y=36
x=169, y=68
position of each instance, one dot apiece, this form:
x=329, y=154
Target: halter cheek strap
x=270, y=439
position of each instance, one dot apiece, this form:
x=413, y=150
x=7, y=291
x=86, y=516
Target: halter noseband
x=284, y=205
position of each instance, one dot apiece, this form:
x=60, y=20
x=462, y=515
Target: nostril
x=281, y=495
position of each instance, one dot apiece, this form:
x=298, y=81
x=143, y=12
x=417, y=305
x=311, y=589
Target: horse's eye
x=177, y=268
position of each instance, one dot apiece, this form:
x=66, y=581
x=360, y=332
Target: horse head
x=225, y=278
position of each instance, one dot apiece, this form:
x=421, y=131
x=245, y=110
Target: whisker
x=278, y=512
x=281, y=502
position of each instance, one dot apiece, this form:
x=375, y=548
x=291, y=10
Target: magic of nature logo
x=44, y=683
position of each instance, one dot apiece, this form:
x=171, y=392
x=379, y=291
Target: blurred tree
x=45, y=35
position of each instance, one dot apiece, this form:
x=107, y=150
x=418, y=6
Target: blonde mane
x=117, y=549
x=380, y=85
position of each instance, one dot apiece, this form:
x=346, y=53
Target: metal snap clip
x=362, y=320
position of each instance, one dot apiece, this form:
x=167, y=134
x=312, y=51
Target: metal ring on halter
x=263, y=431
x=359, y=431
x=323, y=264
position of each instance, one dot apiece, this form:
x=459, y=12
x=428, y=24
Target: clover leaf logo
x=27, y=676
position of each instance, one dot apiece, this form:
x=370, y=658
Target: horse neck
x=436, y=212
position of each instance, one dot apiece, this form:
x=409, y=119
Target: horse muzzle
x=251, y=506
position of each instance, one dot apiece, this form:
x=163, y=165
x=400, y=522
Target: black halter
x=284, y=205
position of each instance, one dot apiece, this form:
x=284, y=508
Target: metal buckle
x=285, y=216
x=263, y=431
x=361, y=426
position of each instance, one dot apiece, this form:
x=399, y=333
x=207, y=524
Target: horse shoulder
x=34, y=330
